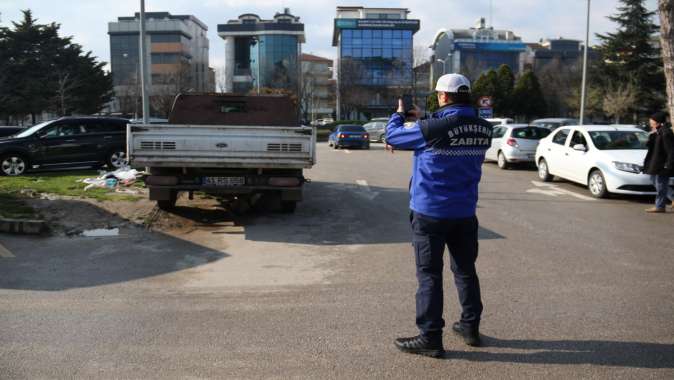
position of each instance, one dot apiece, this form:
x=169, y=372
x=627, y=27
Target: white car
x=514, y=143
x=607, y=159
x=500, y=121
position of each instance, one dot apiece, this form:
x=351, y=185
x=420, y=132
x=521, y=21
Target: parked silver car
x=554, y=122
x=377, y=129
x=515, y=143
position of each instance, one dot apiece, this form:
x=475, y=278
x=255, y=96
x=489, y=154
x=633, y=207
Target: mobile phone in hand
x=408, y=104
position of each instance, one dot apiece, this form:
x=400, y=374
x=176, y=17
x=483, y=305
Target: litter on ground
x=112, y=180
x=101, y=232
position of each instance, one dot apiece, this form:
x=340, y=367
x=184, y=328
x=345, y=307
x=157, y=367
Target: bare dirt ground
x=71, y=216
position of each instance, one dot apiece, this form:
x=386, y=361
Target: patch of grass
x=59, y=183
x=12, y=207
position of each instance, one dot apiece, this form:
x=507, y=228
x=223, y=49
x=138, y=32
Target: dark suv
x=65, y=142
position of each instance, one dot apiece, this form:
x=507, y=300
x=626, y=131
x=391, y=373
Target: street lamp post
x=443, y=64
x=584, y=84
x=143, y=66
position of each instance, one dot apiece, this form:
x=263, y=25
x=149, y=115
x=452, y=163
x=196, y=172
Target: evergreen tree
x=42, y=71
x=499, y=85
x=432, y=102
x=630, y=54
x=530, y=101
x=503, y=104
x=24, y=63
x=486, y=85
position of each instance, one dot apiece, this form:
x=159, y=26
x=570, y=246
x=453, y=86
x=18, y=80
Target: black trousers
x=430, y=236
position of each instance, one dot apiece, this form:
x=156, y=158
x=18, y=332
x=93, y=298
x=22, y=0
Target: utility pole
x=143, y=66
x=584, y=84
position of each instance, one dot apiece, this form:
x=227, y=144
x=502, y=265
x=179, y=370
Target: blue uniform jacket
x=449, y=149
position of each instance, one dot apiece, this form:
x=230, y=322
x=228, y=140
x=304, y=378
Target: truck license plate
x=224, y=181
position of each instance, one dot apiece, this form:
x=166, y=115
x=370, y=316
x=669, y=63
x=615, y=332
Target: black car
x=8, y=131
x=65, y=142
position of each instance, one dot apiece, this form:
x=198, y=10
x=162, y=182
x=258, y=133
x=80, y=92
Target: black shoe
x=470, y=336
x=421, y=345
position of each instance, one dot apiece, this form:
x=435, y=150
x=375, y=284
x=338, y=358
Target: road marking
x=5, y=253
x=554, y=190
x=365, y=189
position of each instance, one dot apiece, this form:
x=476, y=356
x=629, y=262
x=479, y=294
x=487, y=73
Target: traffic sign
x=486, y=113
x=485, y=102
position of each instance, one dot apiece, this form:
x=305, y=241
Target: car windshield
x=31, y=130
x=619, y=140
x=351, y=128
x=530, y=133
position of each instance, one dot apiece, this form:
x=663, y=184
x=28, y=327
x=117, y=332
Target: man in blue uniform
x=449, y=149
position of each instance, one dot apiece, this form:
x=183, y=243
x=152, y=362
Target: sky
x=87, y=20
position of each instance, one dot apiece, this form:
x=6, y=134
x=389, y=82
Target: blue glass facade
x=384, y=55
x=274, y=58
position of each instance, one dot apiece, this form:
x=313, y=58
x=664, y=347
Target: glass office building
x=275, y=61
x=473, y=51
x=375, y=65
x=262, y=53
x=385, y=55
x=177, y=51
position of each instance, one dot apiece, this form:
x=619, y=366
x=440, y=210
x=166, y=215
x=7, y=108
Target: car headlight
x=627, y=167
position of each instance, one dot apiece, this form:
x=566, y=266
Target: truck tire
x=168, y=204
x=288, y=207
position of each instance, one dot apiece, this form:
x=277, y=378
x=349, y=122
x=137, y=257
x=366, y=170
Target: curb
x=21, y=226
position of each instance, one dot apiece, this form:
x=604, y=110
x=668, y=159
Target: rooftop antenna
x=491, y=14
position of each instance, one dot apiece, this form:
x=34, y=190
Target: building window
x=165, y=38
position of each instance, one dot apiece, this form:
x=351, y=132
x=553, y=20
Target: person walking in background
x=659, y=162
x=449, y=149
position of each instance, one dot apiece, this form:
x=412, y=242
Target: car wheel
x=543, y=172
x=117, y=159
x=13, y=165
x=597, y=184
x=288, y=207
x=502, y=162
x=382, y=138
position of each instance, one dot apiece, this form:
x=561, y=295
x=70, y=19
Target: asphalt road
x=573, y=288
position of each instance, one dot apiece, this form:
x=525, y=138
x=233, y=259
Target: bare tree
x=666, y=10
x=308, y=84
x=65, y=84
x=555, y=78
x=472, y=68
x=128, y=96
x=352, y=94
x=420, y=55
x=619, y=100
x=221, y=79
x=593, y=101
x=167, y=86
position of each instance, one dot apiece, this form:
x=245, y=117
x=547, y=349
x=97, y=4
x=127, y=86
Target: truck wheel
x=168, y=204
x=288, y=207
